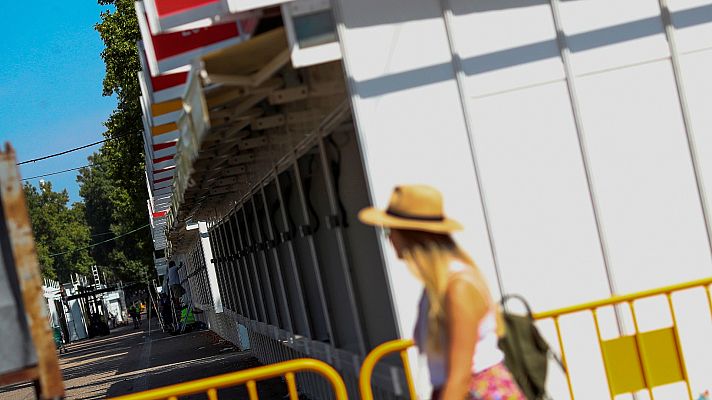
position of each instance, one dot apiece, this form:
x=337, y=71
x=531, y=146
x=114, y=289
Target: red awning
x=173, y=52
x=180, y=15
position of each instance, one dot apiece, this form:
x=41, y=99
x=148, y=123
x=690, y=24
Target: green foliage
x=58, y=229
x=119, y=31
x=96, y=188
x=114, y=188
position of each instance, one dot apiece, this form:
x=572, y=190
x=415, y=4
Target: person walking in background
x=166, y=312
x=135, y=313
x=457, y=325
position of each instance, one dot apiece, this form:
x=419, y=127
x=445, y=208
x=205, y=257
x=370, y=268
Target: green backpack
x=526, y=353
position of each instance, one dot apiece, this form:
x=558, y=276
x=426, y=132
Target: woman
x=457, y=324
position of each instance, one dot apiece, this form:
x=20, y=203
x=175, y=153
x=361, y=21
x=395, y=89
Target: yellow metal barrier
x=399, y=345
x=634, y=362
x=210, y=386
x=643, y=360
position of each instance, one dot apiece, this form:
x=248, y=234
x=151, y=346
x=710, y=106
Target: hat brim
x=376, y=217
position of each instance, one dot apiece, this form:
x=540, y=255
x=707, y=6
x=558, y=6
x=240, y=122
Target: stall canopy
x=174, y=51
x=222, y=104
x=165, y=59
x=245, y=109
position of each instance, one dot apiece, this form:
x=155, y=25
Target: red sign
x=175, y=51
x=160, y=214
x=179, y=15
x=157, y=89
x=172, y=7
x=163, y=82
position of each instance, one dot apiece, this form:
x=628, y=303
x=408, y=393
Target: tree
x=121, y=258
x=96, y=187
x=114, y=187
x=61, y=233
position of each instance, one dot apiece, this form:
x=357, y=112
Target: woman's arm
x=465, y=307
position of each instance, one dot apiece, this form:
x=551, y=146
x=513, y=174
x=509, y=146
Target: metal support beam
x=312, y=249
x=350, y=295
x=284, y=300
x=209, y=266
x=301, y=319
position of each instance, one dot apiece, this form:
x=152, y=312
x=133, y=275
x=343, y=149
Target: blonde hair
x=428, y=255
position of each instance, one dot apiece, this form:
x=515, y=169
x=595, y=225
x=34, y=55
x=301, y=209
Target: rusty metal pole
x=24, y=255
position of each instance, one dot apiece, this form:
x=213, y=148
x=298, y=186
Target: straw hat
x=414, y=207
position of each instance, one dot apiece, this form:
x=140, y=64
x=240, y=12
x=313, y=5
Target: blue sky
x=50, y=85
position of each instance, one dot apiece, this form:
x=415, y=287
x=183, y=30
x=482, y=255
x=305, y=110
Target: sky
x=51, y=75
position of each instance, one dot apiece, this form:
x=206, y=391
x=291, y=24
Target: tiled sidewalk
x=132, y=360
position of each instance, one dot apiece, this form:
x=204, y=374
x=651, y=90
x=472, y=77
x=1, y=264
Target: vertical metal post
x=678, y=345
x=213, y=259
x=271, y=306
x=565, y=54
x=301, y=305
x=464, y=102
x=218, y=255
x=209, y=266
x=260, y=295
x=197, y=256
x=686, y=118
x=233, y=267
x=247, y=291
x=312, y=248
x=341, y=245
x=186, y=273
x=227, y=265
x=563, y=357
x=594, y=313
x=259, y=300
x=280, y=284
x=646, y=376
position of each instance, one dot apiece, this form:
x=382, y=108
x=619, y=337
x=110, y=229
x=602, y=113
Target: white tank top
x=487, y=353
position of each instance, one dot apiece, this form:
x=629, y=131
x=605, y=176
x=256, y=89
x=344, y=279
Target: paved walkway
x=131, y=360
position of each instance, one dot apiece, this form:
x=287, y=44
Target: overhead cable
x=61, y=153
x=102, y=242
x=58, y=172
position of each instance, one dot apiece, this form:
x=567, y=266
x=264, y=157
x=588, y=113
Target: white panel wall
x=643, y=175
x=505, y=46
x=527, y=145
x=539, y=205
x=410, y=122
x=606, y=34
x=692, y=20
x=532, y=170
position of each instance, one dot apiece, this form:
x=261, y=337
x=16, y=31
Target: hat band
x=414, y=217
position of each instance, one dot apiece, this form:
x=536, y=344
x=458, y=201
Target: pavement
x=129, y=361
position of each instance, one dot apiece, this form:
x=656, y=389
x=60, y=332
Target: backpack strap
x=507, y=297
x=530, y=315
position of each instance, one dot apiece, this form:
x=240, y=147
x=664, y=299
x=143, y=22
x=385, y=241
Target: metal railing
x=633, y=362
x=639, y=361
x=249, y=377
x=369, y=363
x=642, y=360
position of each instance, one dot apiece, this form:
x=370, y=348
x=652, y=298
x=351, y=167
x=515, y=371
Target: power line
x=96, y=244
x=59, y=172
x=61, y=153
x=103, y=234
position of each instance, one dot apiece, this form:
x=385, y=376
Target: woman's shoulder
x=464, y=278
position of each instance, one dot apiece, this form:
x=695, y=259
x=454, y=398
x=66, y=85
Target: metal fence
x=642, y=360
x=250, y=378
